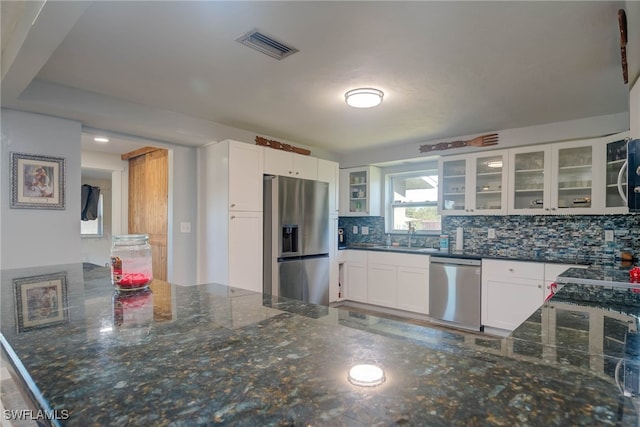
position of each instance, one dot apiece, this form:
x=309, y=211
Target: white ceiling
x=173, y=71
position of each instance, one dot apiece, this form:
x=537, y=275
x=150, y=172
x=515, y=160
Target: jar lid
x=130, y=237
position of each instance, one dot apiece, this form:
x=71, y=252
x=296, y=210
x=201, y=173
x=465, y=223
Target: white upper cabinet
x=614, y=151
x=286, y=163
x=573, y=187
x=360, y=191
x=245, y=177
x=329, y=171
x=529, y=180
x=488, y=190
x=473, y=184
x=554, y=179
x=454, y=178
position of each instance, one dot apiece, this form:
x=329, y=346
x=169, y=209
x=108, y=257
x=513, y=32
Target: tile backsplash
x=566, y=236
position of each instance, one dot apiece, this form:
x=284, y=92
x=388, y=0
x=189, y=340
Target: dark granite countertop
x=516, y=255
x=210, y=354
x=606, y=275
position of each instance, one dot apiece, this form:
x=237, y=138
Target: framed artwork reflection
x=37, y=182
x=41, y=301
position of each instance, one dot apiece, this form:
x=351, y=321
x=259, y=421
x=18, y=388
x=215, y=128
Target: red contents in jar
x=634, y=275
x=133, y=280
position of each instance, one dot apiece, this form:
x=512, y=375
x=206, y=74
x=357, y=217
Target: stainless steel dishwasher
x=454, y=291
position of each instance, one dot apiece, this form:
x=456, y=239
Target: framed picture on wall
x=37, y=182
x=41, y=301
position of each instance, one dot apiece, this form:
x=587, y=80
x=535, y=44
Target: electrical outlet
x=354, y=230
x=491, y=233
x=365, y=230
x=608, y=235
x=185, y=227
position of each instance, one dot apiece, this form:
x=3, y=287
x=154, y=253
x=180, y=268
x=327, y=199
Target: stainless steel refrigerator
x=296, y=239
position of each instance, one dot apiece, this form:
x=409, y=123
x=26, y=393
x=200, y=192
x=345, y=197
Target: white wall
x=183, y=207
x=39, y=237
x=634, y=111
x=551, y=132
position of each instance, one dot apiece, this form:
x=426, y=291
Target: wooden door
x=148, y=202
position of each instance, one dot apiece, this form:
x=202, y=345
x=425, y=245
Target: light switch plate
x=608, y=235
x=354, y=230
x=491, y=233
x=365, y=230
x=185, y=227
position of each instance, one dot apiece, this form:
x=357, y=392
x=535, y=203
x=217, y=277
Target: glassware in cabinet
x=489, y=179
x=616, y=156
x=574, y=179
x=453, y=185
x=528, y=188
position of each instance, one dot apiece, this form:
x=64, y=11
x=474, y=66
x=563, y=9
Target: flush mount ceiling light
x=366, y=375
x=101, y=139
x=364, y=97
x=494, y=163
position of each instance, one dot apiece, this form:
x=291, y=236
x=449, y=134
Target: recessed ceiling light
x=101, y=139
x=366, y=375
x=363, y=97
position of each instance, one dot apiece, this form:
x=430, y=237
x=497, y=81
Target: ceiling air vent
x=267, y=45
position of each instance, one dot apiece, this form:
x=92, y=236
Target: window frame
x=421, y=170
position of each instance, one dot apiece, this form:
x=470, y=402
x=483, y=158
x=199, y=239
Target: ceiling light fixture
x=366, y=375
x=101, y=139
x=363, y=97
x=494, y=163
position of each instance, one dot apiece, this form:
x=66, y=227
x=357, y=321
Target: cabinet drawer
x=504, y=270
x=399, y=259
x=354, y=255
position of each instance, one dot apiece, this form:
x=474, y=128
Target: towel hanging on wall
x=89, y=202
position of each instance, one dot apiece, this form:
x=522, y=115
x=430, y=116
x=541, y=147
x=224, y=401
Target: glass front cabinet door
x=474, y=184
x=572, y=177
x=453, y=176
x=529, y=180
x=360, y=191
x=489, y=195
x=615, y=155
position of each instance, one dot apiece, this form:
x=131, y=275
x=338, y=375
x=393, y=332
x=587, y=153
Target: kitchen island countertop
x=217, y=355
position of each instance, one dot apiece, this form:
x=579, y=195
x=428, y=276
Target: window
x=93, y=227
x=413, y=199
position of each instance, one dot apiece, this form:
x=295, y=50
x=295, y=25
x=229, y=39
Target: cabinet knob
x=297, y=173
x=290, y=172
x=546, y=209
x=233, y=216
x=471, y=210
x=553, y=209
x=511, y=270
x=233, y=205
x=539, y=286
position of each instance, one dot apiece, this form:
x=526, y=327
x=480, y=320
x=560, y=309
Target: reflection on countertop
x=231, y=356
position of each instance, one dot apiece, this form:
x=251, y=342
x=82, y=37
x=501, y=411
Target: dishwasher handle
x=456, y=261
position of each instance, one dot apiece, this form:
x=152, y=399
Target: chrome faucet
x=412, y=231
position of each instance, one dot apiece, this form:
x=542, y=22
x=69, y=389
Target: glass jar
x=131, y=261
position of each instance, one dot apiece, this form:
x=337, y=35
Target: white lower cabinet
x=245, y=243
x=356, y=276
x=398, y=281
x=511, y=292
x=382, y=285
x=413, y=288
